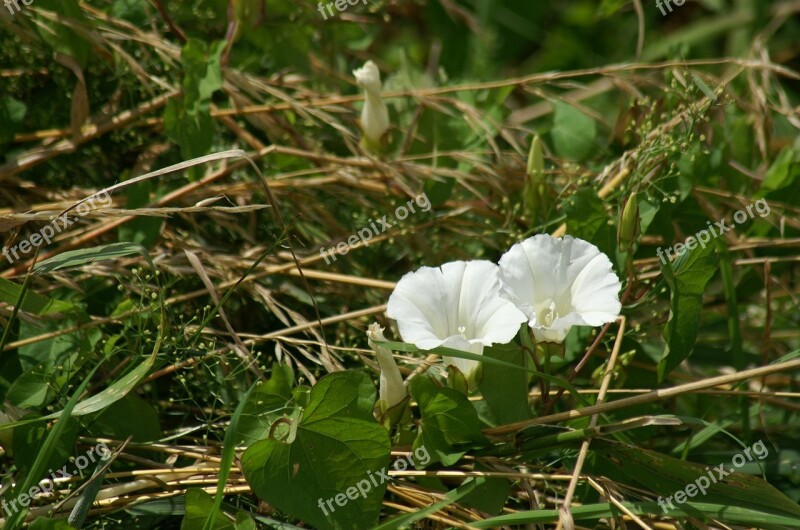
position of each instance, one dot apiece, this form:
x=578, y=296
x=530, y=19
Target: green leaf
x=610, y=7
x=187, y=119
x=450, y=352
x=587, y=219
x=439, y=191
x=405, y=520
x=228, y=454
x=45, y=523
x=687, y=278
x=45, y=452
x=729, y=287
x=282, y=45
x=31, y=390
x=648, y=209
x=244, y=522
x=159, y=507
x=456, y=380
x=267, y=403
x=64, y=349
x=99, y=401
x=449, y=425
x=782, y=173
x=199, y=505
x=60, y=36
x=26, y=444
x=88, y=494
x=714, y=5
x=193, y=131
x=36, y=303
x=704, y=88
x=115, y=420
x=506, y=389
x=142, y=230
x=202, y=70
x=116, y=391
x=664, y=475
x=337, y=446
x=593, y=512
x=489, y=497
x=130, y=10
x=12, y=113
x=574, y=134
x=76, y=258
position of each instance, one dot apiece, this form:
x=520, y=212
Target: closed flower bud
x=629, y=225
x=535, y=192
x=374, y=115
x=391, y=390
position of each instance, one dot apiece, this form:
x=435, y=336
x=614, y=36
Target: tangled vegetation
x=206, y=206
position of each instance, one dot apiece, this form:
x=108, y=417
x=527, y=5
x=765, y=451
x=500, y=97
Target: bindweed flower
x=559, y=283
x=374, y=115
x=457, y=305
x=391, y=390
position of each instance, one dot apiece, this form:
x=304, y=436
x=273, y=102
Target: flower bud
x=535, y=192
x=629, y=225
x=374, y=115
x=391, y=390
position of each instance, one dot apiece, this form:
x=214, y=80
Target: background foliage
x=175, y=324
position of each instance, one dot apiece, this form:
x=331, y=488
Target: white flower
x=458, y=306
x=391, y=389
x=559, y=283
x=374, y=115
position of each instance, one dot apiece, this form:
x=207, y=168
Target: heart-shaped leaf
x=328, y=474
x=450, y=424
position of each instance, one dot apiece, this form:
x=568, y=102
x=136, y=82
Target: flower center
x=462, y=330
x=548, y=313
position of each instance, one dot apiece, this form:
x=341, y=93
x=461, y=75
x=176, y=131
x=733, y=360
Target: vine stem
x=650, y=397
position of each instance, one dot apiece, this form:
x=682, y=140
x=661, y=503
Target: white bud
x=368, y=77
x=391, y=389
x=374, y=115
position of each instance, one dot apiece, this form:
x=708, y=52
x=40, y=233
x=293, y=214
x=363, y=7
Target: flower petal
x=416, y=304
x=559, y=283
x=467, y=366
x=368, y=77
x=528, y=272
x=483, y=313
x=557, y=331
x=595, y=292
x=458, y=299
